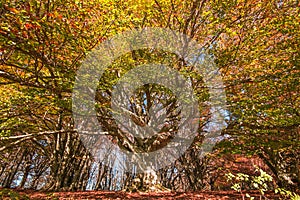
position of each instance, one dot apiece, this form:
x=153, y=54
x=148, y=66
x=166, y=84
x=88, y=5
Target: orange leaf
x=13, y=10
x=28, y=26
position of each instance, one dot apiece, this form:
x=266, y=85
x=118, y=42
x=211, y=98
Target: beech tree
x=255, y=45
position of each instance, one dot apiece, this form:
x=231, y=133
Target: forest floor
x=89, y=195
x=234, y=163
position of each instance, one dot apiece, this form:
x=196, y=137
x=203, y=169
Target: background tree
x=41, y=45
x=259, y=59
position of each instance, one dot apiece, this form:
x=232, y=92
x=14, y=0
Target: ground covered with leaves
x=206, y=195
